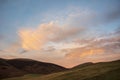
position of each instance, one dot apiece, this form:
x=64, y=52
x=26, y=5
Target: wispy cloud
x=102, y=46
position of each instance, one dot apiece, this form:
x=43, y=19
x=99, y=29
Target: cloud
x=83, y=52
x=73, y=26
x=101, y=47
x=35, y=39
x=31, y=39
x=105, y=48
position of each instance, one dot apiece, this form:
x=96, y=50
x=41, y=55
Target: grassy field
x=28, y=76
x=99, y=71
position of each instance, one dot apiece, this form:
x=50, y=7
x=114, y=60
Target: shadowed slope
x=18, y=67
x=7, y=70
x=32, y=66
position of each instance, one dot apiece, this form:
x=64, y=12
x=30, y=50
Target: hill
x=7, y=70
x=96, y=71
x=20, y=67
x=35, y=67
x=87, y=71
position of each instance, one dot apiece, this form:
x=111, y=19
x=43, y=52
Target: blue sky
x=17, y=13
x=55, y=22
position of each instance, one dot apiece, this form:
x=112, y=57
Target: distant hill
x=94, y=71
x=20, y=67
x=86, y=71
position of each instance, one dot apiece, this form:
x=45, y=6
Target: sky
x=64, y=32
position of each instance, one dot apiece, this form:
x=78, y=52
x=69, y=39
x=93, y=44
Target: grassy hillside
x=110, y=75
x=28, y=76
x=98, y=71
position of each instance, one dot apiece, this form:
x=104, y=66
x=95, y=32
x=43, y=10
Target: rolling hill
x=86, y=71
x=20, y=67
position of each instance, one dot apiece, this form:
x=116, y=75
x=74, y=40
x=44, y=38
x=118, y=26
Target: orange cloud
x=30, y=39
x=82, y=53
x=35, y=39
x=91, y=52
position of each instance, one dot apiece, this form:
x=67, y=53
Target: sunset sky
x=64, y=32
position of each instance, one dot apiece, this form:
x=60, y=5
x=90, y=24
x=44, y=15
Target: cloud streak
x=102, y=46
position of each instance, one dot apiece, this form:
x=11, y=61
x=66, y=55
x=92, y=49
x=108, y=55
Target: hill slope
x=7, y=70
x=19, y=67
x=97, y=71
x=35, y=67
